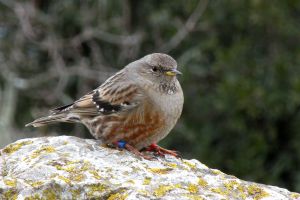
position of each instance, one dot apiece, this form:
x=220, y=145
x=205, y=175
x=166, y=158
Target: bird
x=133, y=109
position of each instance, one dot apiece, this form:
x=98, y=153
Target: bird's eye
x=155, y=69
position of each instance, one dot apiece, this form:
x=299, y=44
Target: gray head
x=158, y=68
x=160, y=60
x=162, y=64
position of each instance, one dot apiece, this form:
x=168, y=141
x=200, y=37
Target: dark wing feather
x=114, y=95
x=103, y=106
x=60, y=109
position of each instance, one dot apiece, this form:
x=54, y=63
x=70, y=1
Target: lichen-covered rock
x=72, y=168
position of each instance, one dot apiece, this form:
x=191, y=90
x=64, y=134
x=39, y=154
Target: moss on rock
x=71, y=168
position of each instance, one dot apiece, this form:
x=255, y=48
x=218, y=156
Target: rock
x=72, y=168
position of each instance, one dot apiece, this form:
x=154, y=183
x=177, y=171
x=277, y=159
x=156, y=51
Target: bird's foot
x=162, y=151
x=121, y=144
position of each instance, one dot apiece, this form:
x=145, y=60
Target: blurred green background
x=240, y=59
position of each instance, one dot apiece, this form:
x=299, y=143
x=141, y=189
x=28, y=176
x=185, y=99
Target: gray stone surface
x=72, y=168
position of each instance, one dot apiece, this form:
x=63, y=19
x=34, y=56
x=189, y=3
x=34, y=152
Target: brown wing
x=115, y=95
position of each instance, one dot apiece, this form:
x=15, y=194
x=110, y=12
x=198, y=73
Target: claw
x=121, y=144
x=137, y=152
x=162, y=151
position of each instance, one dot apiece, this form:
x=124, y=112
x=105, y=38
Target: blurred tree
x=240, y=61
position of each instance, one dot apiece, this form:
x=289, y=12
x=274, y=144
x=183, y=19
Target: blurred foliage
x=241, y=64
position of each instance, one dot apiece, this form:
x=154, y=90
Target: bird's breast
x=136, y=127
x=149, y=123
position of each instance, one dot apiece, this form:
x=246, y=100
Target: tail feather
x=49, y=120
x=61, y=109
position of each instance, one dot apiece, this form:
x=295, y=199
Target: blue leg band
x=121, y=144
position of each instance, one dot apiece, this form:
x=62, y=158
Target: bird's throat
x=168, y=88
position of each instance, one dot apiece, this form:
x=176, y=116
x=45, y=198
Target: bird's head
x=158, y=68
x=161, y=64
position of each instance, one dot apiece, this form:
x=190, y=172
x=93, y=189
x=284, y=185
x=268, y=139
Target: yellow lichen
x=219, y=191
x=216, y=172
x=95, y=174
x=162, y=190
x=77, y=177
x=130, y=181
x=65, y=179
x=147, y=181
x=50, y=194
x=189, y=164
x=86, y=165
x=243, y=195
x=10, y=182
x=173, y=165
x=118, y=196
x=15, y=147
x=202, y=182
x=192, y=188
x=242, y=191
x=193, y=197
x=143, y=192
x=34, y=197
x=11, y=194
x=160, y=170
x=72, y=166
x=67, y=168
x=75, y=169
x=75, y=193
x=257, y=192
x=295, y=195
x=234, y=188
x=95, y=188
x=231, y=185
x=70, y=162
x=43, y=149
x=36, y=184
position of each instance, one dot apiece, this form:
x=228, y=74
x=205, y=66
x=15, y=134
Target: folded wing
x=115, y=95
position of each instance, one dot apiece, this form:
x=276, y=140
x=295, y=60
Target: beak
x=173, y=72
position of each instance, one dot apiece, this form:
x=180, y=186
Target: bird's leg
x=121, y=144
x=161, y=151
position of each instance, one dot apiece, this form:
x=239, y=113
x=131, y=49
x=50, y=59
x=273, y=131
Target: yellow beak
x=173, y=72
